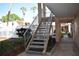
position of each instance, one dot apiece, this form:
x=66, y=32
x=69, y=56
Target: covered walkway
x=65, y=48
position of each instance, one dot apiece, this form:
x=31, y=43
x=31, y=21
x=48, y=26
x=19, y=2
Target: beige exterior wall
x=75, y=26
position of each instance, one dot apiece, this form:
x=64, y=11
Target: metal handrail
x=30, y=25
x=26, y=41
x=46, y=43
x=25, y=37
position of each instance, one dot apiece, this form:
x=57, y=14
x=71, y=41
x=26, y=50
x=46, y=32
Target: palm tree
x=33, y=9
x=23, y=9
x=8, y=15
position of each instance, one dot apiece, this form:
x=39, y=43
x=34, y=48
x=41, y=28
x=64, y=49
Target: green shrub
x=5, y=46
x=8, y=45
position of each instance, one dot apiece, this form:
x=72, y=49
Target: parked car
x=21, y=31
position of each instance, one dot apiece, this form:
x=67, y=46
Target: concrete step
x=32, y=52
x=42, y=27
x=37, y=43
x=36, y=46
x=39, y=38
x=41, y=31
x=41, y=34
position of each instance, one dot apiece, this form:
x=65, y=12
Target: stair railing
x=46, y=43
x=37, y=26
x=30, y=31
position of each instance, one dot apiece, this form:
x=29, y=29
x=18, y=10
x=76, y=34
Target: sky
x=4, y=8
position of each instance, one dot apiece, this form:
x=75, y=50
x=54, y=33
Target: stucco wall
x=76, y=31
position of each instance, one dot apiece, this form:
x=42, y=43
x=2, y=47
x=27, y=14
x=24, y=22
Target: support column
x=73, y=30
x=39, y=12
x=44, y=10
x=58, y=30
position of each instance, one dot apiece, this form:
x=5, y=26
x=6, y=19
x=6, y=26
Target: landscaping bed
x=11, y=47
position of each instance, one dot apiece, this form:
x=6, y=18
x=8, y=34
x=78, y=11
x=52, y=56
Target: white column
x=69, y=27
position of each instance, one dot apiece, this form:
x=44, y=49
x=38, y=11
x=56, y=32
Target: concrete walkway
x=66, y=48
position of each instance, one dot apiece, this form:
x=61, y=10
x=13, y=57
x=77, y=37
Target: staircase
x=39, y=40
